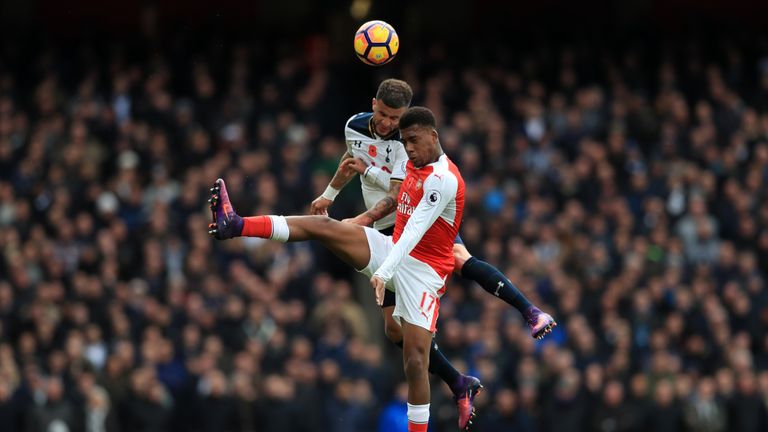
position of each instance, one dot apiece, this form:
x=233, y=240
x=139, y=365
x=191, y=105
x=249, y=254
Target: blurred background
x=616, y=155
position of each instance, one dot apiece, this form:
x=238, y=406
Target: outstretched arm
x=340, y=179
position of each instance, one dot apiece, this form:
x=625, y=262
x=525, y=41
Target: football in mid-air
x=376, y=43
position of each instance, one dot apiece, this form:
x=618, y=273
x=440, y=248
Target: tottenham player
x=415, y=261
x=373, y=149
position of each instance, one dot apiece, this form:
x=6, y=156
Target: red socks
x=418, y=418
x=417, y=427
x=257, y=226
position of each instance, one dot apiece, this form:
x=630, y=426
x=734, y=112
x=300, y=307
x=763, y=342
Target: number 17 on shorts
x=430, y=304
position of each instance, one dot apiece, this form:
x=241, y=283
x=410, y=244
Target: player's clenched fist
x=320, y=206
x=354, y=165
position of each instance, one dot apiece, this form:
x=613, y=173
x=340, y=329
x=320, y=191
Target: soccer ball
x=376, y=43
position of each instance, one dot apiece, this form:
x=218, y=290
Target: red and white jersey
x=429, y=211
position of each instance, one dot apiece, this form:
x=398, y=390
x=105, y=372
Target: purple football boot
x=464, y=395
x=226, y=223
x=540, y=323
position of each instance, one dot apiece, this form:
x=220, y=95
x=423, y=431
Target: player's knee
x=323, y=221
x=393, y=331
x=322, y=226
x=415, y=365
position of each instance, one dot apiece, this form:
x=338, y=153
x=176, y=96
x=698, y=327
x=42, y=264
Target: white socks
x=418, y=417
x=280, y=231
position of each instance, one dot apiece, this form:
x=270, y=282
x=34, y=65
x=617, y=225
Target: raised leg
x=345, y=240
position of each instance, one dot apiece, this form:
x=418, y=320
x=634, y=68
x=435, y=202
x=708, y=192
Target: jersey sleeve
x=439, y=190
x=376, y=177
x=398, y=167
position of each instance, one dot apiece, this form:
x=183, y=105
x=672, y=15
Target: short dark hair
x=417, y=116
x=394, y=93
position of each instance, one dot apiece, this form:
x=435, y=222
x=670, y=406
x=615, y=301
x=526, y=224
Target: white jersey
x=385, y=158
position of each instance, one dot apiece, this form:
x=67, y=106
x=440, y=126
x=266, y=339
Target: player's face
x=386, y=118
x=420, y=144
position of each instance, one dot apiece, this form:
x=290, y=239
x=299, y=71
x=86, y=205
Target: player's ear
x=373, y=104
x=435, y=136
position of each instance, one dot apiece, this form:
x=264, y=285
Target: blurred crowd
x=623, y=193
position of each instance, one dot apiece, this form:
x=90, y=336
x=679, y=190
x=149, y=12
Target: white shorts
x=417, y=286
